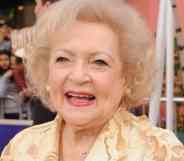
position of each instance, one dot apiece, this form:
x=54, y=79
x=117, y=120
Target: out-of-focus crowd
x=14, y=94
x=16, y=100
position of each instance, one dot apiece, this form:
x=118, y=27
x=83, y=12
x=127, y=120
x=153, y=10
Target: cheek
x=111, y=89
x=55, y=79
x=56, y=84
x=108, y=83
x=52, y=80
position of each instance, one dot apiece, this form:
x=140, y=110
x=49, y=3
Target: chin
x=79, y=119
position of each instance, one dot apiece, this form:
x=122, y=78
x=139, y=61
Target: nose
x=80, y=74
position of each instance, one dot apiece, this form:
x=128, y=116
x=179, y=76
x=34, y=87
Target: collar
x=116, y=141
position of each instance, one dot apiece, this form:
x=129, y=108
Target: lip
x=77, y=101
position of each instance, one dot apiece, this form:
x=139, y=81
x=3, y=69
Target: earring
x=47, y=88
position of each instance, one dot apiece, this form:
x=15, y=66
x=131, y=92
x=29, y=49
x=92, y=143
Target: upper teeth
x=80, y=96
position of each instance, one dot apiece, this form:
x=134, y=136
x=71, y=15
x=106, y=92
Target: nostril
x=79, y=76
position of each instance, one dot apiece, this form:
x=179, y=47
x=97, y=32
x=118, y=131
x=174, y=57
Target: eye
x=100, y=62
x=62, y=59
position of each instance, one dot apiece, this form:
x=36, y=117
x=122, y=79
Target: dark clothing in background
x=11, y=116
x=40, y=114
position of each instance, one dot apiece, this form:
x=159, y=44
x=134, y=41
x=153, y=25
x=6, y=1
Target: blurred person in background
x=20, y=39
x=5, y=43
x=4, y=61
x=5, y=72
x=18, y=73
x=8, y=88
x=18, y=70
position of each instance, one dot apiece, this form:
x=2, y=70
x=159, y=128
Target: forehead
x=84, y=31
x=86, y=40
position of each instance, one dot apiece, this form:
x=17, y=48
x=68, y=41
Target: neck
x=79, y=136
x=76, y=143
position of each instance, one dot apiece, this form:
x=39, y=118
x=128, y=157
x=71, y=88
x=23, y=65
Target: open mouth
x=80, y=99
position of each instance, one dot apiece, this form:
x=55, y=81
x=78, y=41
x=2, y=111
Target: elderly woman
x=90, y=61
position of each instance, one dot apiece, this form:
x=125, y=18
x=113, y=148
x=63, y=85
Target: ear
x=47, y=88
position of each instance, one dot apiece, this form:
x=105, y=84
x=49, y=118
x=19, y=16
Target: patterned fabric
x=124, y=138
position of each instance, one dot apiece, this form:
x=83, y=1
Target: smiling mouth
x=80, y=99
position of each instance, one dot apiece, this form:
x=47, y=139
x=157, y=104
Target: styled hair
x=135, y=42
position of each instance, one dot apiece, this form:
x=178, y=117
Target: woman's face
x=85, y=74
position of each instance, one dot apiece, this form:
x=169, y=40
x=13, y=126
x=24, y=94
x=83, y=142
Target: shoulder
x=34, y=132
x=163, y=143
x=166, y=144
x=152, y=142
x=29, y=140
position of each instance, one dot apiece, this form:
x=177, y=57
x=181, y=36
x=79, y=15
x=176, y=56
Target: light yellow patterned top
x=124, y=138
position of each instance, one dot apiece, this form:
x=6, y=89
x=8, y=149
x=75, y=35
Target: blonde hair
x=135, y=41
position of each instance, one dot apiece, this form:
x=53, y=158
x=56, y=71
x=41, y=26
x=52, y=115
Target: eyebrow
x=95, y=53
x=64, y=50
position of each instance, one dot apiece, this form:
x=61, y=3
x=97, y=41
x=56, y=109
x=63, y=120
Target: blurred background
x=17, y=13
